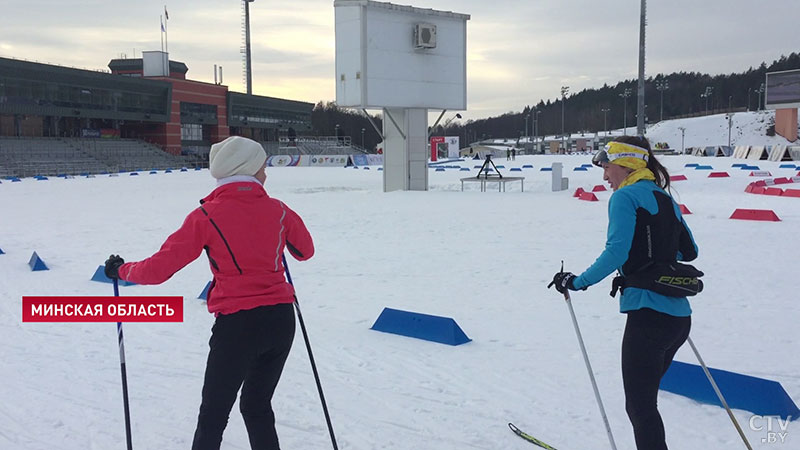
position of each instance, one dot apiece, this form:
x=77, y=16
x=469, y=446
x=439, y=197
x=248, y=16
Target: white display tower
x=404, y=61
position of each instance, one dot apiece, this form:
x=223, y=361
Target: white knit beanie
x=236, y=155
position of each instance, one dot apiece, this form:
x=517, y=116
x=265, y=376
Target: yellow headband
x=627, y=155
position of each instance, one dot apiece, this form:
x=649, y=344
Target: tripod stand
x=485, y=168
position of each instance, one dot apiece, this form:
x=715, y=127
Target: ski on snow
x=528, y=437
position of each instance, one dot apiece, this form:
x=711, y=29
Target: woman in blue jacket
x=645, y=229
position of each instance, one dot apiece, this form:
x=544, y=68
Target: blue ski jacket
x=622, y=217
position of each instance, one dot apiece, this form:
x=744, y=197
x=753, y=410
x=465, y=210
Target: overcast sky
x=519, y=51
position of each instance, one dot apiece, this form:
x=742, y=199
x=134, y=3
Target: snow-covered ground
x=481, y=258
x=747, y=128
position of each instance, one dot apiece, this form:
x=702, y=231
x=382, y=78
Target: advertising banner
x=375, y=160
x=283, y=160
x=324, y=160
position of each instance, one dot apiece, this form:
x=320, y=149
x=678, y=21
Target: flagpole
x=166, y=30
x=161, y=19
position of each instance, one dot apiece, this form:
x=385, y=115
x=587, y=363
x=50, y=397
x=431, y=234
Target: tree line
x=590, y=110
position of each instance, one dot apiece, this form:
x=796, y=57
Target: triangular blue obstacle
x=527, y=166
x=204, y=295
x=580, y=169
x=444, y=330
x=546, y=169
x=757, y=395
x=100, y=276
x=36, y=263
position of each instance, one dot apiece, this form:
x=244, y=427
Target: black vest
x=657, y=237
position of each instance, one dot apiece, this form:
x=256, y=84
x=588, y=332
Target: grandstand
x=24, y=157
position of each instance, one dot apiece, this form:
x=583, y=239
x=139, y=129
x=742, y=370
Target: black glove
x=563, y=281
x=113, y=264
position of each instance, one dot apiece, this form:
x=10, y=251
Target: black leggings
x=248, y=350
x=648, y=346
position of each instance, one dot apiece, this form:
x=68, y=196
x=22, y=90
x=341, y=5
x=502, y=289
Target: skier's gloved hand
x=113, y=264
x=563, y=281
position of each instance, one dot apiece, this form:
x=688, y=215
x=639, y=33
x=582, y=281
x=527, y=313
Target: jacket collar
x=236, y=188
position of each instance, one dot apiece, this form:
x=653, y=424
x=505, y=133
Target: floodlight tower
x=640, y=113
x=662, y=85
x=564, y=92
x=625, y=94
x=248, y=68
x=605, y=113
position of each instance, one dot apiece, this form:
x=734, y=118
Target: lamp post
x=706, y=95
x=760, y=91
x=625, y=94
x=683, y=130
x=564, y=92
x=730, y=97
x=605, y=124
x=526, y=126
x=362, y=137
x=748, y=98
x=729, y=116
x=662, y=85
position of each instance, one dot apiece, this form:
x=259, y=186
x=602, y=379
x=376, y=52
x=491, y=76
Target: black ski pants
x=650, y=341
x=247, y=350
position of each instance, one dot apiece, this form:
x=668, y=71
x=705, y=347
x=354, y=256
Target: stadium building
x=145, y=112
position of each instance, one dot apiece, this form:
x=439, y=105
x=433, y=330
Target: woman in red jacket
x=243, y=232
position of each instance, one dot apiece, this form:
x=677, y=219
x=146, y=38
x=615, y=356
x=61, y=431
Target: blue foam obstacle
x=40, y=178
x=476, y=167
x=443, y=330
x=580, y=169
x=501, y=166
x=750, y=168
x=440, y=169
x=739, y=165
x=380, y=168
x=787, y=166
x=2, y=252
x=527, y=166
x=546, y=169
x=153, y=172
x=703, y=168
x=464, y=169
x=204, y=295
x=691, y=165
x=15, y=180
x=133, y=174
x=757, y=395
x=366, y=168
x=516, y=169
x=168, y=171
x=100, y=276
x=36, y=263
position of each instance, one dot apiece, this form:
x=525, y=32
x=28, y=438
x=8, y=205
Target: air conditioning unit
x=424, y=36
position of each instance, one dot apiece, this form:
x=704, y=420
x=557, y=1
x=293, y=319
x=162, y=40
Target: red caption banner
x=102, y=309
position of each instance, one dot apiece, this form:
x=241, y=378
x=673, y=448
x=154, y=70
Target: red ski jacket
x=243, y=232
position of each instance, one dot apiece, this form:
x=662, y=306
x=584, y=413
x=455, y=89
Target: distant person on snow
x=646, y=237
x=243, y=232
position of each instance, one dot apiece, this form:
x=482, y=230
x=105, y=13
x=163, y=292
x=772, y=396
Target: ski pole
x=311, y=357
x=719, y=394
x=591, y=373
x=589, y=367
x=124, y=374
